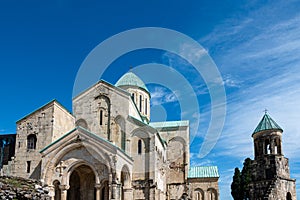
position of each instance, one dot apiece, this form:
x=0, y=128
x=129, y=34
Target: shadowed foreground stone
x=22, y=189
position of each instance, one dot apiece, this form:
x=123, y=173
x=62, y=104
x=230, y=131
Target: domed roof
x=130, y=79
x=267, y=123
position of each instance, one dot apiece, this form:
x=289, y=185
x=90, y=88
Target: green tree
x=246, y=178
x=236, y=185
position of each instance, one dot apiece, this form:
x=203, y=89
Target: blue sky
x=255, y=45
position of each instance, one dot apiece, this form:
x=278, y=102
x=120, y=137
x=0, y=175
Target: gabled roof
x=204, y=172
x=130, y=79
x=88, y=133
x=267, y=123
x=44, y=106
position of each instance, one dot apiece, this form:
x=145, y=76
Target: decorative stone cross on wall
x=60, y=168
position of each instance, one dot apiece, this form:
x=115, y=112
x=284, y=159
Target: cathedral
x=108, y=149
x=270, y=169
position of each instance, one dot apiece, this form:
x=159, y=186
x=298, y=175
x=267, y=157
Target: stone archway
x=125, y=183
x=82, y=184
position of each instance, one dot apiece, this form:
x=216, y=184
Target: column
x=272, y=145
x=98, y=191
x=63, y=190
x=128, y=193
x=51, y=192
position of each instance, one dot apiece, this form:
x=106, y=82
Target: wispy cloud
x=188, y=51
x=160, y=95
x=259, y=55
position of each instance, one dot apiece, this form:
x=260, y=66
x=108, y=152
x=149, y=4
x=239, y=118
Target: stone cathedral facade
x=108, y=149
x=270, y=169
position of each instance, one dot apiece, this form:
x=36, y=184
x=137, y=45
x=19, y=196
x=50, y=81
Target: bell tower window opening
x=275, y=149
x=132, y=96
x=267, y=147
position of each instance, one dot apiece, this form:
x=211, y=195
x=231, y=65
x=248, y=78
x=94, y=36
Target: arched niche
x=198, y=194
x=82, y=123
x=103, y=115
x=119, y=135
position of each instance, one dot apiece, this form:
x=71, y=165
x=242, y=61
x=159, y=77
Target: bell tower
x=267, y=138
x=270, y=169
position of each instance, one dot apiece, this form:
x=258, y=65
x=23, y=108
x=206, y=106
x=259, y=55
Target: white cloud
x=160, y=96
x=189, y=52
x=261, y=56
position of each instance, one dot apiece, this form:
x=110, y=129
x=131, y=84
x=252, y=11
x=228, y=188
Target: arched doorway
x=126, y=183
x=104, y=191
x=82, y=184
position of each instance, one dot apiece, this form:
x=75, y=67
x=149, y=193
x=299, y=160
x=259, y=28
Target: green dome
x=267, y=123
x=130, y=79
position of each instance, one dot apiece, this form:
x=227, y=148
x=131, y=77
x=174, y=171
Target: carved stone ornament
x=60, y=168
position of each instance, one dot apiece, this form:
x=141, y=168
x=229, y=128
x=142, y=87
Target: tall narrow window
x=101, y=117
x=31, y=142
x=146, y=106
x=132, y=96
x=140, y=103
x=28, y=166
x=140, y=147
x=123, y=145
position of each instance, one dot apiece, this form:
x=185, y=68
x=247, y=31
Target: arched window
x=140, y=103
x=288, y=196
x=140, y=147
x=31, y=142
x=199, y=194
x=212, y=194
x=28, y=166
x=146, y=110
x=123, y=140
x=101, y=117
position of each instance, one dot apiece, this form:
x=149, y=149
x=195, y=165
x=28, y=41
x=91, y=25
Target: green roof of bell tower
x=267, y=123
x=130, y=79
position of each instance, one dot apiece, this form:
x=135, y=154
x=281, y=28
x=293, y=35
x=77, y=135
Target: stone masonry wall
x=22, y=189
